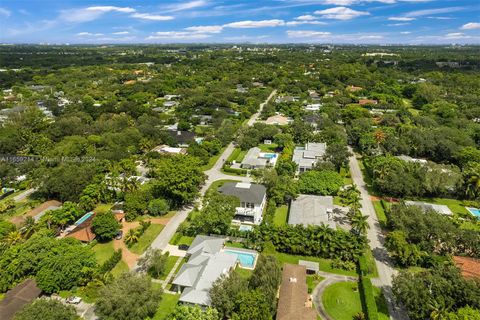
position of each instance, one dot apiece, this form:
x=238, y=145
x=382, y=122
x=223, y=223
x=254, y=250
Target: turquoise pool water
x=270, y=155
x=474, y=211
x=84, y=218
x=246, y=259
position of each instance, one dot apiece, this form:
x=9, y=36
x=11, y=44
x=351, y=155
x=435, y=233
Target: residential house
x=256, y=159
x=294, y=301
x=241, y=89
x=182, y=138
x=440, y=208
x=16, y=298
x=312, y=107
x=313, y=95
x=38, y=212
x=354, y=88
x=410, y=159
x=365, y=102
x=311, y=210
x=306, y=157
x=207, y=262
x=253, y=198
x=82, y=228
x=170, y=104
x=278, y=119
x=470, y=267
x=171, y=150
x=283, y=99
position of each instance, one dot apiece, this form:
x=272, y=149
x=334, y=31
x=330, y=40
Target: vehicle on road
x=183, y=247
x=119, y=235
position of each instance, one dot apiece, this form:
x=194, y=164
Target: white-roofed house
x=440, y=208
x=311, y=210
x=256, y=159
x=306, y=157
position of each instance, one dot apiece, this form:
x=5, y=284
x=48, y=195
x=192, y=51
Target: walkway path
x=317, y=293
x=22, y=196
x=376, y=238
x=213, y=174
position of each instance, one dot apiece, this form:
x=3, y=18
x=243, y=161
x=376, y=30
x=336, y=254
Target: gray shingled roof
x=246, y=192
x=308, y=209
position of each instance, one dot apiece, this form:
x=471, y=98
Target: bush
x=158, y=207
x=326, y=183
x=111, y=262
x=343, y=264
x=105, y=226
x=368, y=299
x=240, y=172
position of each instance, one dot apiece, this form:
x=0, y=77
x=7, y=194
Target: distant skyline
x=255, y=21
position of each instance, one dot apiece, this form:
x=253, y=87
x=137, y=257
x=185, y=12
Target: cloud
x=471, y=26
x=177, y=35
x=205, y=29
x=341, y=13
x=307, y=17
x=91, y=13
x=456, y=35
x=398, y=24
x=89, y=34
x=370, y=37
x=152, y=17
x=255, y=24
x=340, y=2
x=5, y=13
x=401, y=18
x=297, y=22
x=120, y=32
x=307, y=34
x=405, y=32
x=186, y=5
x=427, y=12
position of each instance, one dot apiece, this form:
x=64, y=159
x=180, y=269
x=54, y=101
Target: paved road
x=376, y=238
x=22, y=196
x=317, y=293
x=213, y=174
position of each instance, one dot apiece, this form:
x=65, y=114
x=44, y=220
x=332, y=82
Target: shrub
x=105, y=226
x=368, y=299
x=111, y=262
x=228, y=169
x=343, y=264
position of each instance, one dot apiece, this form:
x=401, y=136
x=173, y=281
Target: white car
x=73, y=300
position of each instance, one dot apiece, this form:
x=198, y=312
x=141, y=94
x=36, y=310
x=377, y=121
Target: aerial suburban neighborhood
x=173, y=161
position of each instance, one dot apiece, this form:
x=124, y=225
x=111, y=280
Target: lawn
x=381, y=304
x=243, y=273
x=325, y=264
x=268, y=147
x=166, y=306
x=372, y=267
x=171, y=260
x=178, y=239
x=120, y=268
x=342, y=300
x=281, y=214
x=381, y=217
x=103, y=207
x=234, y=245
x=217, y=184
x=237, y=155
x=212, y=161
x=103, y=251
x=313, y=281
x=147, y=238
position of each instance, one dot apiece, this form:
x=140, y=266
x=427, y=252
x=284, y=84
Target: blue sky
x=255, y=21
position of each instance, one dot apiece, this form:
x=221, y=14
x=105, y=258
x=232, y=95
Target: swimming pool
x=84, y=218
x=246, y=259
x=270, y=155
x=474, y=211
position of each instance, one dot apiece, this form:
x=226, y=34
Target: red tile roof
x=470, y=267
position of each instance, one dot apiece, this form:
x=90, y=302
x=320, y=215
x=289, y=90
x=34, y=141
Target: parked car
x=119, y=235
x=183, y=247
x=73, y=300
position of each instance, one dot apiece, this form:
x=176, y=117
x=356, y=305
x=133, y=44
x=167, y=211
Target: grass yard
x=180, y=265
x=237, y=155
x=342, y=300
x=268, y=147
x=337, y=201
x=313, y=281
x=103, y=251
x=171, y=260
x=103, y=207
x=381, y=216
x=325, y=264
x=146, y=239
x=120, y=268
x=243, y=273
x=381, y=304
x=372, y=267
x=212, y=161
x=167, y=306
x=235, y=245
x=217, y=184
x=281, y=214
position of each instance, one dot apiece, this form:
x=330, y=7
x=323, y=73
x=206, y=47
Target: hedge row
x=366, y=291
x=111, y=262
x=228, y=169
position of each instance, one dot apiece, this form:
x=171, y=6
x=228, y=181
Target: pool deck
x=474, y=211
x=241, y=250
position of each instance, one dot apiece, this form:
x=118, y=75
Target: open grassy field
x=103, y=251
x=166, y=306
x=342, y=300
x=120, y=268
x=147, y=238
x=281, y=214
x=381, y=216
x=171, y=260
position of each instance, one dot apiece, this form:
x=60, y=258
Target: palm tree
x=359, y=223
x=131, y=237
x=472, y=189
x=28, y=227
x=13, y=237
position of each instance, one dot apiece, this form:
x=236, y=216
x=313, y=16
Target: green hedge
x=111, y=262
x=366, y=291
x=235, y=171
